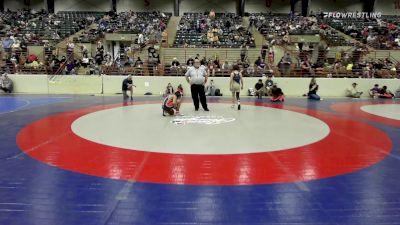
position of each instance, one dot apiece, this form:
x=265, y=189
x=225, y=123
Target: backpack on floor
x=218, y=92
x=251, y=92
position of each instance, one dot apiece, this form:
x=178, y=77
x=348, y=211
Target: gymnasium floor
x=68, y=160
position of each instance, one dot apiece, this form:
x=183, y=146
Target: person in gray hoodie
x=6, y=84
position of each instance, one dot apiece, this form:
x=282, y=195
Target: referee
x=197, y=76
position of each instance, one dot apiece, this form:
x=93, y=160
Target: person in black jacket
x=259, y=87
x=127, y=85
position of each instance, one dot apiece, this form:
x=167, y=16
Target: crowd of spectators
x=346, y=64
x=218, y=30
x=217, y=67
x=148, y=26
x=23, y=27
x=277, y=27
x=376, y=33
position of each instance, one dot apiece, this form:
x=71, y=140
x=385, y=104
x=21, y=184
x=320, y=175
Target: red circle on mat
x=354, y=109
x=348, y=148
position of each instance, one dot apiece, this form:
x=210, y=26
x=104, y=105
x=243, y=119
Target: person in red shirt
x=391, y=26
x=385, y=93
x=172, y=104
x=277, y=94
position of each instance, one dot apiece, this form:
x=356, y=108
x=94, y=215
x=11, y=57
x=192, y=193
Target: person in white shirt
x=141, y=39
x=197, y=76
x=70, y=48
x=85, y=61
x=353, y=92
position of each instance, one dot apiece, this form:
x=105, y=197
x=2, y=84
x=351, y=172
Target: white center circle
x=391, y=111
x=254, y=129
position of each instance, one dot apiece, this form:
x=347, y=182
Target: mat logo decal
x=207, y=120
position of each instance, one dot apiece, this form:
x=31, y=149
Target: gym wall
x=143, y=6
x=387, y=7
x=336, y=5
x=82, y=5
x=19, y=4
x=109, y=85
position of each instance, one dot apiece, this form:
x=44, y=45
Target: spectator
x=277, y=94
x=258, y=61
x=127, y=85
x=259, y=87
x=271, y=56
x=100, y=46
x=169, y=90
x=190, y=62
x=353, y=92
x=338, y=68
x=312, y=90
x=261, y=67
x=306, y=67
x=85, y=61
x=151, y=51
x=210, y=89
x=264, y=50
x=243, y=52
x=349, y=68
x=180, y=89
x=385, y=93
x=70, y=48
x=84, y=50
x=139, y=62
x=217, y=64
x=7, y=44
x=226, y=65
x=212, y=14
x=164, y=36
x=175, y=66
x=285, y=64
x=141, y=39
x=6, y=84
x=35, y=64
x=250, y=70
x=268, y=85
x=92, y=68
x=153, y=63
x=211, y=66
x=374, y=92
x=366, y=71
x=70, y=68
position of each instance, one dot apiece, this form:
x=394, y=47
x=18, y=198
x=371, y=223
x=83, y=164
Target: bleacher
x=225, y=30
x=134, y=22
x=193, y=34
x=277, y=26
x=72, y=22
x=372, y=32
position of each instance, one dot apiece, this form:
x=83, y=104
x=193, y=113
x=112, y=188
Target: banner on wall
x=353, y=15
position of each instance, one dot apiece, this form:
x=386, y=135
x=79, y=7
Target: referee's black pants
x=198, y=91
